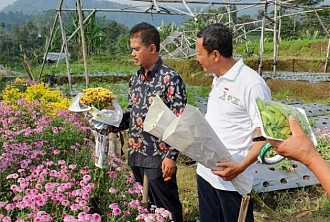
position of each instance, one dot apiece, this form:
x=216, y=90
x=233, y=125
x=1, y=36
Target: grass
x=195, y=92
x=302, y=49
x=298, y=90
x=96, y=64
x=300, y=204
x=186, y=177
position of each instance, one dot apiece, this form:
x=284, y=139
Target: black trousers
x=219, y=205
x=162, y=193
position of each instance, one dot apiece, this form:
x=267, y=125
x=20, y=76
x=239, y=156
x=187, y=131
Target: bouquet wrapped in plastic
x=192, y=135
x=101, y=109
x=100, y=105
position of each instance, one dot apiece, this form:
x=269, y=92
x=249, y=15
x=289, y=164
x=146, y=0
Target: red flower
x=167, y=79
x=170, y=92
x=163, y=147
x=131, y=141
x=135, y=98
x=139, y=121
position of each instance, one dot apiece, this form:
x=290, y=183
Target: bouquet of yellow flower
x=99, y=106
x=101, y=109
x=98, y=97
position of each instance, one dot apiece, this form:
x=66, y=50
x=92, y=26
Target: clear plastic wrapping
x=275, y=120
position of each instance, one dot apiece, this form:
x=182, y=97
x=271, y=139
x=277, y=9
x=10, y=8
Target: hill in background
x=129, y=19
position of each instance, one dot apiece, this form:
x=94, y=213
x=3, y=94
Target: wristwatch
x=172, y=154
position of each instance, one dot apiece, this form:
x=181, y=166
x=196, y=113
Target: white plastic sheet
x=158, y=118
x=101, y=149
x=76, y=106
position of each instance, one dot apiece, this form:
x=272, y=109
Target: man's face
x=141, y=54
x=203, y=56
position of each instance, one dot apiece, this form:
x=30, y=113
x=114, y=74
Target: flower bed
x=46, y=169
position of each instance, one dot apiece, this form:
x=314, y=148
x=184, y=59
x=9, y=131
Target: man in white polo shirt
x=232, y=114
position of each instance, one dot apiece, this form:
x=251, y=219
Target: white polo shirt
x=232, y=113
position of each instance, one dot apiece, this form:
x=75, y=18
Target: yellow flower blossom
x=52, y=100
x=99, y=97
x=19, y=80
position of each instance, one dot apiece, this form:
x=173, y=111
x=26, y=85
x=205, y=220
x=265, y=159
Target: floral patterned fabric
x=145, y=150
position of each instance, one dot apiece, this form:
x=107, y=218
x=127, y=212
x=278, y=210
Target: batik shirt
x=145, y=150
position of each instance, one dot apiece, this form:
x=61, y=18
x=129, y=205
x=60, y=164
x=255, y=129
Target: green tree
x=121, y=45
x=166, y=30
x=290, y=28
x=115, y=33
x=8, y=51
x=311, y=21
x=95, y=35
x=246, y=19
x=308, y=2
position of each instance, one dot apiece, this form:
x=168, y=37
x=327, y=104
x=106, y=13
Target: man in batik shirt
x=146, y=153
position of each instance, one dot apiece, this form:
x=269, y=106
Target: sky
x=4, y=3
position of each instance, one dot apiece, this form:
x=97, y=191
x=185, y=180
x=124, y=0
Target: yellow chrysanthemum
x=99, y=97
x=52, y=101
x=19, y=80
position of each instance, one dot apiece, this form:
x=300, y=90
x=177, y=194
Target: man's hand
x=297, y=147
x=168, y=167
x=230, y=170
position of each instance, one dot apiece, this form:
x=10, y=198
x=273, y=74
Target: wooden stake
x=243, y=209
x=112, y=143
x=83, y=42
x=26, y=63
x=50, y=40
x=145, y=190
x=65, y=45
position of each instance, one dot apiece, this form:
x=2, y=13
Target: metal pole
x=261, y=50
x=275, y=40
x=327, y=58
x=83, y=42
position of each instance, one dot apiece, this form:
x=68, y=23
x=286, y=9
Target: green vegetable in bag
x=275, y=119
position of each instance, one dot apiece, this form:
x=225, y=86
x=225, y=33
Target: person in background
x=299, y=147
x=146, y=153
x=232, y=113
